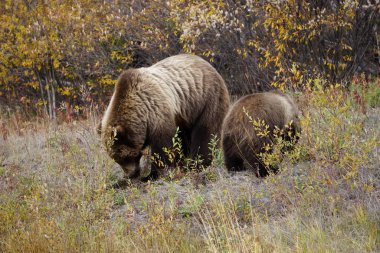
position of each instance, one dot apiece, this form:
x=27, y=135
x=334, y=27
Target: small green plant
x=174, y=154
x=283, y=145
x=277, y=143
x=373, y=94
x=365, y=93
x=112, y=179
x=176, y=161
x=2, y=171
x=192, y=206
x=216, y=152
x=119, y=198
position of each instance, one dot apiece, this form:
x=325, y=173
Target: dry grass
x=54, y=194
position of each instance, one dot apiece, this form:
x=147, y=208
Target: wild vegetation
x=58, y=63
x=56, y=194
x=63, y=57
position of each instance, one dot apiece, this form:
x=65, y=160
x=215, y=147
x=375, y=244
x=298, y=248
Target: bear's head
x=123, y=126
x=123, y=147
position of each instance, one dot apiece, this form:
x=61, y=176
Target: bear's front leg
x=163, y=139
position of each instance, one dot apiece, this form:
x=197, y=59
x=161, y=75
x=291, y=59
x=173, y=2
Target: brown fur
x=240, y=142
x=148, y=105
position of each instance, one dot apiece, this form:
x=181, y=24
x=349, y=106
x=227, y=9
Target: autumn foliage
x=64, y=56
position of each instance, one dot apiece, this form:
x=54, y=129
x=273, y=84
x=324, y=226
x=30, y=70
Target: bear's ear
x=119, y=130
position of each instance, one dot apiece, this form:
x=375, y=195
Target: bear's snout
x=131, y=170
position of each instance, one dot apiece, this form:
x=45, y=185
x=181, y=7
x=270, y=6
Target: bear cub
x=241, y=143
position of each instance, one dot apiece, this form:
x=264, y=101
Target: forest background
x=62, y=58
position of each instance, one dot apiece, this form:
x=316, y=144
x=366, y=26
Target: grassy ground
x=55, y=194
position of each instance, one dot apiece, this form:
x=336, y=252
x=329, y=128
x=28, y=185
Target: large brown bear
x=148, y=104
x=240, y=141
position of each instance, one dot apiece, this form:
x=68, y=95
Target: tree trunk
x=49, y=96
x=53, y=101
x=42, y=93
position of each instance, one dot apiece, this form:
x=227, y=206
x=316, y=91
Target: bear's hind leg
x=200, y=139
x=208, y=124
x=234, y=162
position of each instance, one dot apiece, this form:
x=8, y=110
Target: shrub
x=65, y=57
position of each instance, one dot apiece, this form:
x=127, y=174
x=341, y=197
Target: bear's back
x=187, y=81
x=275, y=109
x=185, y=73
x=181, y=61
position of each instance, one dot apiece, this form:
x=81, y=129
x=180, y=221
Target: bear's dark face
x=124, y=149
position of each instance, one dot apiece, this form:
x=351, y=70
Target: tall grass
x=55, y=194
